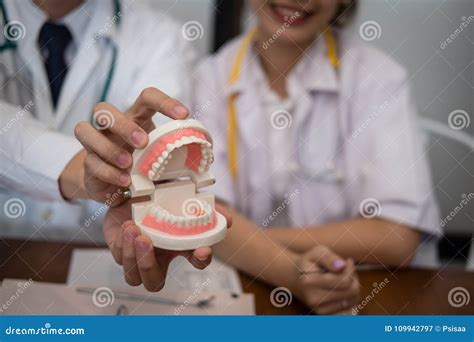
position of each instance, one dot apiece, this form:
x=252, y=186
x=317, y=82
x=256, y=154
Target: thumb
x=327, y=259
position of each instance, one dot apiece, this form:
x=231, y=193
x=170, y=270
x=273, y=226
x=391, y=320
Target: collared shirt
x=34, y=18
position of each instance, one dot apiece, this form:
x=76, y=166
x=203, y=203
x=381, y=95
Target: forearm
x=71, y=181
x=248, y=249
x=365, y=240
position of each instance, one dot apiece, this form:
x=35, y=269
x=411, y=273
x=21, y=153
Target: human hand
x=142, y=263
x=100, y=170
x=325, y=282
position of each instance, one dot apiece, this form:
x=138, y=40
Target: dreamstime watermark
x=465, y=21
x=459, y=119
x=281, y=119
x=109, y=23
x=103, y=119
x=367, y=122
x=103, y=208
x=370, y=30
x=192, y=207
x=287, y=200
x=192, y=30
x=18, y=115
x=14, y=30
x=377, y=287
x=459, y=296
x=22, y=287
x=200, y=109
x=465, y=199
x=46, y=330
x=370, y=208
x=281, y=296
x=14, y=208
x=103, y=296
x=192, y=297
x=288, y=22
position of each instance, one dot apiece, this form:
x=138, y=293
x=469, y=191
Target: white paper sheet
x=96, y=267
x=37, y=298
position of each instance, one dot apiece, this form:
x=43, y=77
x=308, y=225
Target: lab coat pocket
x=324, y=198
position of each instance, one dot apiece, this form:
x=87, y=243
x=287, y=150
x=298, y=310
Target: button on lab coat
x=36, y=144
x=355, y=140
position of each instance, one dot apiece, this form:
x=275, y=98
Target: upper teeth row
x=206, y=153
x=163, y=215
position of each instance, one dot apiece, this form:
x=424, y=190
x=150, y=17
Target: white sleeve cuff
x=47, y=157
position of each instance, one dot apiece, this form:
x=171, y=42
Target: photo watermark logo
x=103, y=296
x=103, y=208
x=281, y=119
x=192, y=207
x=22, y=287
x=459, y=296
x=465, y=21
x=14, y=30
x=14, y=208
x=281, y=296
x=377, y=287
x=192, y=30
x=193, y=296
x=103, y=119
x=18, y=115
x=369, y=121
x=288, y=199
x=370, y=30
x=288, y=22
x=465, y=199
x=459, y=119
x=370, y=208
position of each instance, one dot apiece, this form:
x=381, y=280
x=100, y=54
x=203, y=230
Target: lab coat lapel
x=254, y=168
x=80, y=71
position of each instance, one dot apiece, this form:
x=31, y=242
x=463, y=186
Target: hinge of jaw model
x=170, y=169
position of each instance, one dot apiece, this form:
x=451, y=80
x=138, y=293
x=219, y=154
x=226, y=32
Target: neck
x=277, y=60
x=56, y=9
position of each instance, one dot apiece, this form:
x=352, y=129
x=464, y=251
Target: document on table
x=96, y=267
x=22, y=297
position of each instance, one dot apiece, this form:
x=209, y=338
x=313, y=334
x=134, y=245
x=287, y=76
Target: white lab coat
x=36, y=144
x=361, y=119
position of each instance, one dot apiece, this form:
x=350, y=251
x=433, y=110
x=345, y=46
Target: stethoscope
x=330, y=173
x=10, y=45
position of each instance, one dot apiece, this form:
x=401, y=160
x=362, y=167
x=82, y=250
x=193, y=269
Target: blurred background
x=434, y=40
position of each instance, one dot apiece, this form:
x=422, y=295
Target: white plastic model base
x=170, y=169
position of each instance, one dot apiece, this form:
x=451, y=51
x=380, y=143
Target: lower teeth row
x=163, y=215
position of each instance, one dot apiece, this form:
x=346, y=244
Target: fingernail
x=180, y=111
x=202, y=259
x=339, y=263
x=138, y=137
x=124, y=159
x=144, y=246
x=124, y=179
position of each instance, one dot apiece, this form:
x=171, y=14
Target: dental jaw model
x=170, y=169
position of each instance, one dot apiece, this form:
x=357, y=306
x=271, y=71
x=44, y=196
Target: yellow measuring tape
x=232, y=128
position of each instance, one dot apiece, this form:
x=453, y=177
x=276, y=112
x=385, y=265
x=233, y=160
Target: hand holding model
x=102, y=169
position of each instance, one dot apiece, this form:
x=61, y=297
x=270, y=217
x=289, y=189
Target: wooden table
x=405, y=292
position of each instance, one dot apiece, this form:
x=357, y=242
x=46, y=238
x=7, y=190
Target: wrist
x=71, y=180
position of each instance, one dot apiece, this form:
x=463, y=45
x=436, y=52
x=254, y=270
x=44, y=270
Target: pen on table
x=202, y=303
x=122, y=311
